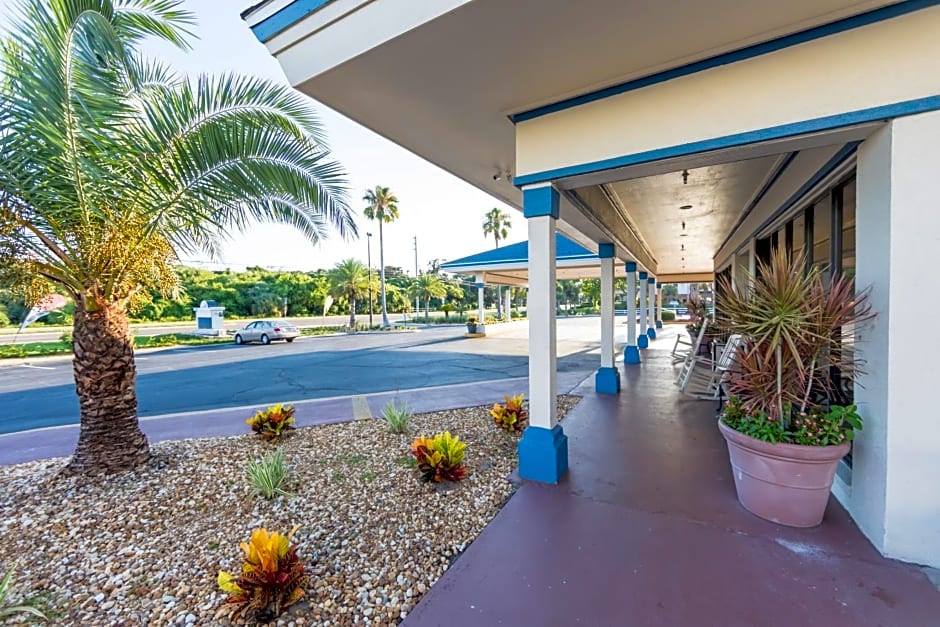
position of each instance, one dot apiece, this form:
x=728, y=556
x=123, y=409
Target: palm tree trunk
x=352, y=313
x=382, y=276
x=427, y=308
x=110, y=439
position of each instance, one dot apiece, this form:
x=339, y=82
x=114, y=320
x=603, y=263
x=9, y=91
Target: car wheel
x=289, y=340
x=265, y=339
x=238, y=339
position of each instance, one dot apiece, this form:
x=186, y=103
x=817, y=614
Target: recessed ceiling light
x=685, y=207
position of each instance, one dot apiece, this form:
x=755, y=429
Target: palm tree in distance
x=382, y=206
x=429, y=286
x=112, y=166
x=496, y=222
x=349, y=279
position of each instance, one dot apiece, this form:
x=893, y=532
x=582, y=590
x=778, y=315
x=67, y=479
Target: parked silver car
x=267, y=331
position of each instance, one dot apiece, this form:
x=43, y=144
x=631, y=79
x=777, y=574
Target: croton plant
x=270, y=423
x=439, y=458
x=510, y=416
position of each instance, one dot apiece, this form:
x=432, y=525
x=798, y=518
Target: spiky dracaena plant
x=111, y=165
x=270, y=581
x=794, y=328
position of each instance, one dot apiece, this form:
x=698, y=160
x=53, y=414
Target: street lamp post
x=369, y=262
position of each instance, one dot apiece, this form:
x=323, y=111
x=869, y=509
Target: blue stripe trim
x=774, y=45
x=874, y=114
x=286, y=17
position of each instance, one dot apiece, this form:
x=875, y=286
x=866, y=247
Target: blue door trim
x=774, y=45
x=829, y=122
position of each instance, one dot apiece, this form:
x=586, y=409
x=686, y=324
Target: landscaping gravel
x=144, y=548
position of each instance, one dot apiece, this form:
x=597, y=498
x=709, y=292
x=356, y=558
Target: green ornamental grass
x=14, y=610
x=268, y=474
x=397, y=416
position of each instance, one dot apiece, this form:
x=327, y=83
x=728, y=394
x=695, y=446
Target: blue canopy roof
x=516, y=254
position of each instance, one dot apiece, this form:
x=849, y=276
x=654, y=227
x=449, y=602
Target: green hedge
x=668, y=316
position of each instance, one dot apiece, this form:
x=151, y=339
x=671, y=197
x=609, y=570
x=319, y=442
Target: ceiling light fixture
x=685, y=207
x=685, y=177
x=683, y=234
x=683, y=225
x=683, y=247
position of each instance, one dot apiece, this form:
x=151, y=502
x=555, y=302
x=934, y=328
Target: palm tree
x=349, y=279
x=111, y=166
x=383, y=207
x=429, y=286
x=496, y=222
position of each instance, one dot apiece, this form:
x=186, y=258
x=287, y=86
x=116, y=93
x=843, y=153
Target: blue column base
x=659, y=324
x=651, y=333
x=643, y=341
x=631, y=355
x=607, y=381
x=543, y=454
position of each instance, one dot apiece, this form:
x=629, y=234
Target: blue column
x=651, y=309
x=543, y=449
x=631, y=354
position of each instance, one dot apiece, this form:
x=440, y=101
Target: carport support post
x=481, y=288
x=651, y=309
x=543, y=449
x=631, y=354
x=643, y=341
x=659, y=305
x=607, y=379
x=508, y=308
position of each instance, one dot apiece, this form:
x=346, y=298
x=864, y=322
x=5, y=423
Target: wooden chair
x=703, y=378
x=684, y=347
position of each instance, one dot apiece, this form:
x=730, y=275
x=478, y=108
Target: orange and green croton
x=270, y=423
x=440, y=458
x=271, y=578
x=510, y=416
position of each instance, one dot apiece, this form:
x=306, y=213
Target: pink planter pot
x=784, y=483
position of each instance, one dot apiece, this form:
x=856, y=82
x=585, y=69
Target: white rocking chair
x=685, y=347
x=703, y=378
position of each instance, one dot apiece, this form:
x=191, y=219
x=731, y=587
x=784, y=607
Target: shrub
x=439, y=458
x=271, y=579
x=273, y=421
x=268, y=474
x=668, y=316
x=14, y=610
x=66, y=338
x=397, y=417
x=4, y=320
x=510, y=416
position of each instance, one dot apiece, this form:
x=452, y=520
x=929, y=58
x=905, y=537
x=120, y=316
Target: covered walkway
x=645, y=530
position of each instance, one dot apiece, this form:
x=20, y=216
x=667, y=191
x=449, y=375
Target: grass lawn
x=39, y=349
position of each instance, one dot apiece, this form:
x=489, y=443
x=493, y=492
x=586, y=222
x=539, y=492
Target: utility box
x=210, y=319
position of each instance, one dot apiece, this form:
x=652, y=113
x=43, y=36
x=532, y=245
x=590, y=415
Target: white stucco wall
x=825, y=77
x=894, y=496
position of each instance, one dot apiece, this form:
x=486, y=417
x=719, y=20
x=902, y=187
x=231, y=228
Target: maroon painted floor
x=646, y=530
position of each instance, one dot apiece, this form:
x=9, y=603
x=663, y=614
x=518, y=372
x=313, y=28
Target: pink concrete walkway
x=646, y=530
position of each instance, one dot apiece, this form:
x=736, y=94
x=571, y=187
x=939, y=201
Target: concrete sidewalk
x=60, y=441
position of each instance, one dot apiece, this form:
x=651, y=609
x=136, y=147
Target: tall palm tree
x=349, y=279
x=382, y=206
x=429, y=286
x=496, y=222
x=111, y=165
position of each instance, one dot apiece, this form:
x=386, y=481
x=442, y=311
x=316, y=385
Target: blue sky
x=441, y=210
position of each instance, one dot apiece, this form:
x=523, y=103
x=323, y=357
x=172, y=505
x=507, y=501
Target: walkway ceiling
x=446, y=88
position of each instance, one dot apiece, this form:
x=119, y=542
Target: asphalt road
x=42, y=393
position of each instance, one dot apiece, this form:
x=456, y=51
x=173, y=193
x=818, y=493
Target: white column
x=659, y=305
x=481, y=310
x=896, y=457
x=543, y=449
x=651, y=309
x=631, y=354
x=643, y=340
x=607, y=379
x=508, y=308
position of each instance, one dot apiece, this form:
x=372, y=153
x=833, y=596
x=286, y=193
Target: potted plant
x=472, y=324
x=785, y=434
